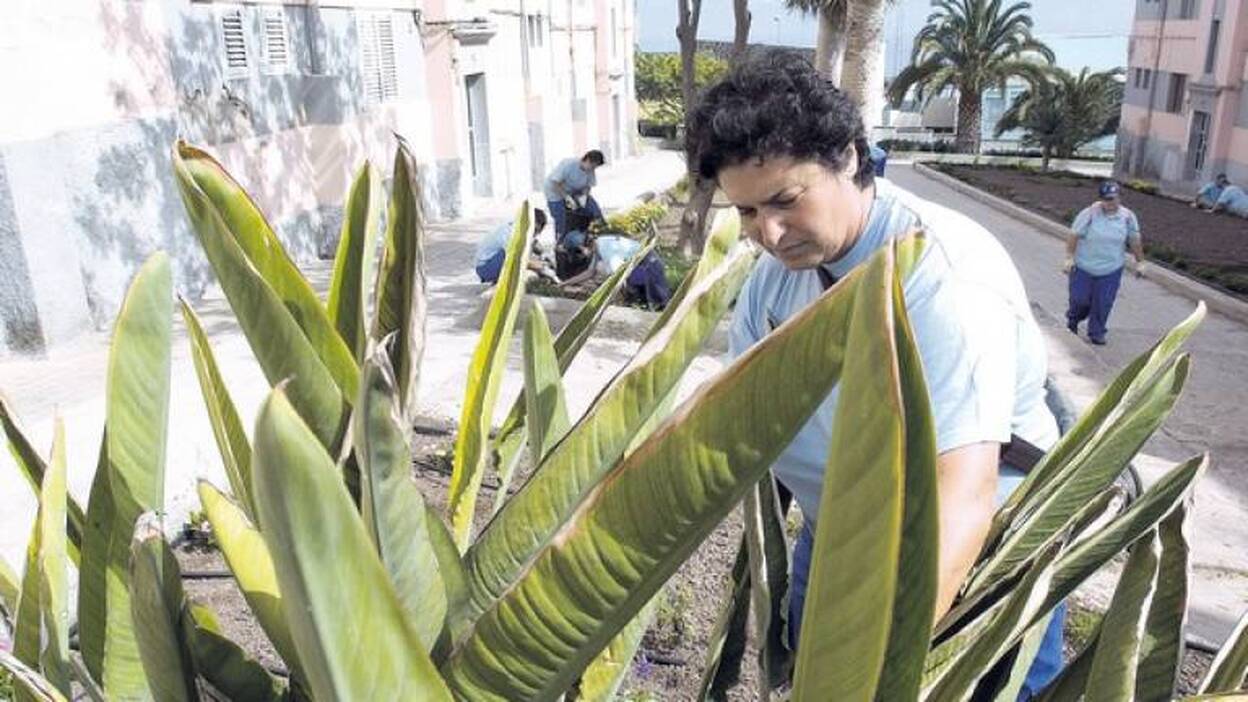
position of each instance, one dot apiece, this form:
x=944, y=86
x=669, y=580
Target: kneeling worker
x=492, y=251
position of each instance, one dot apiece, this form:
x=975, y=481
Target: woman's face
x=801, y=212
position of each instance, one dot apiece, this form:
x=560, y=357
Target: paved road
x=1208, y=416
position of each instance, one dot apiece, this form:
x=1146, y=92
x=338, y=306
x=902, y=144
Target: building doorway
x=478, y=135
x=1197, y=144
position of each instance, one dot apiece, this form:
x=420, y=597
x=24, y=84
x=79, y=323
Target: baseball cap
x=1108, y=190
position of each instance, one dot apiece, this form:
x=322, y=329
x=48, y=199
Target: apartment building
x=292, y=96
x=1185, y=109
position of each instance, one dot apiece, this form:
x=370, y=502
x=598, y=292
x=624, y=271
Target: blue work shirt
x=1234, y=200
x=984, y=358
x=1103, y=238
x=575, y=179
x=1210, y=193
x=494, y=242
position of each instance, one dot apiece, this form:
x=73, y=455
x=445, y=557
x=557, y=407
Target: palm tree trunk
x=831, y=40
x=741, y=33
x=969, y=122
x=693, y=219
x=863, y=74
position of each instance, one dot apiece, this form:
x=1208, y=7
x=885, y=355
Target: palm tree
x=972, y=45
x=849, y=49
x=1066, y=111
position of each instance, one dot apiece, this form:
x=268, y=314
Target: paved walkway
x=1209, y=416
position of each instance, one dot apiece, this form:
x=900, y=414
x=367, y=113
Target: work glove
x=1138, y=268
x=569, y=202
x=1068, y=265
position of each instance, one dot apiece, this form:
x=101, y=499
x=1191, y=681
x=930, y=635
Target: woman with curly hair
x=789, y=151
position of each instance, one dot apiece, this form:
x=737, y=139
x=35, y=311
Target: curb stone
x=1215, y=299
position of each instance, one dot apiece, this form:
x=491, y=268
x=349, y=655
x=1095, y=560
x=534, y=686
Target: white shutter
x=385, y=47
x=378, y=62
x=234, y=42
x=276, y=42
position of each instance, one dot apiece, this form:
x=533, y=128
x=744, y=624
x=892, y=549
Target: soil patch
x=1212, y=248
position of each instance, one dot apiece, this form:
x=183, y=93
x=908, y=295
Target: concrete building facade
x=1185, y=111
x=292, y=96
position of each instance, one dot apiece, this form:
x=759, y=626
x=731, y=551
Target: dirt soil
x=1213, y=248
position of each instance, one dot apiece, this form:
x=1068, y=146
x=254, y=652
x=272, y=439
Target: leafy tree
x=1066, y=111
x=971, y=45
x=658, y=82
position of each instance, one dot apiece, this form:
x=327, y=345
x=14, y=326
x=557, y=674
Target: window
x=1148, y=78
x=1135, y=77
x=233, y=42
x=1178, y=90
x=1198, y=141
x=276, y=44
x=1212, y=53
x=377, y=59
x=1187, y=9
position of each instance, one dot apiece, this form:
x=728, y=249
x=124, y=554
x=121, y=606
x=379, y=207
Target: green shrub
x=637, y=222
x=1143, y=186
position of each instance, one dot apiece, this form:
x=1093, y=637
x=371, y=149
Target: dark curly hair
x=775, y=105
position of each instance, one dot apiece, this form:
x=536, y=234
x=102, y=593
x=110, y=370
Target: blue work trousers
x=1091, y=298
x=559, y=213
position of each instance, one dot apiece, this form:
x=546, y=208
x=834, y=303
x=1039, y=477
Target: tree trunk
x=693, y=220
x=969, y=123
x=831, y=40
x=741, y=33
x=863, y=74
x=1045, y=154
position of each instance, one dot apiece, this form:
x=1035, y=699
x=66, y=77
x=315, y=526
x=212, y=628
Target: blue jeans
x=1092, y=298
x=1048, y=661
x=489, y=269
x=559, y=213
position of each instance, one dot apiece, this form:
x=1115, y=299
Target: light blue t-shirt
x=1210, y=193
x=494, y=242
x=983, y=356
x=575, y=179
x=1103, y=238
x=1234, y=200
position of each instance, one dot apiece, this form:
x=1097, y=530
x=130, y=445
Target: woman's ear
x=850, y=156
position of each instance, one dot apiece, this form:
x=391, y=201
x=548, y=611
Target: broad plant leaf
x=1024, y=656
x=1229, y=666
x=28, y=680
x=285, y=324
x=599, y=438
x=608, y=558
x=249, y=561
x=353, y=638
x=391, y=505
x=727, y=643
x=768, y=556
x=1094, y=422
x=33, y=467
x=219, y=207
x=1161, y=649
x=1090, y=472
x=509, y=440
x=224, y=665
x=10, y=586
x=1071, y=682
x=129, y=479
x=602, y=679
x=485, y=376
x=1114, y=665
x=353, y=263
x=400, y=295
x=158, y=606
x=227, y=428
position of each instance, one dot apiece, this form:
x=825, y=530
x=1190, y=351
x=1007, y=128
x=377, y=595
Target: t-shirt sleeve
x=966, y=340
x=560, y=174
x=1082, y=220
x=1133, y=228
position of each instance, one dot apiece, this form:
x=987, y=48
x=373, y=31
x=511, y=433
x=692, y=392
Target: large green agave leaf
x=391, y=505
x=33, y=468
x=1094, y=423
x=863, y=583
x=227, y=428
x=28, y=680
x=129, y=480
x=353, y=638
x=224, y=665
x=511, y=436
x=400, y=296
x=41, y=635
x=158, y=606
x=248, y=559
x=643, y=519
x=485, y=376
x=1161, y=649
x=348, y=289
x=1114, y=665
x=1229, y=666
x=1089, y=473
x=220, y=208
x=599, y=438
x=285, y=324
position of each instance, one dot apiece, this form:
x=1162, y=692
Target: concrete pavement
x=1209, y=416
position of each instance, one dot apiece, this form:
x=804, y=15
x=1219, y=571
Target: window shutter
x=234, y=42
x=276, y=41
x=385, y=47
x=378, y=63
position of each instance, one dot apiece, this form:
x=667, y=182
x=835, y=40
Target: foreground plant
x=367, y=593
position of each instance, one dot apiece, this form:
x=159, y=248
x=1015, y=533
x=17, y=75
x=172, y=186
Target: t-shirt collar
x=872, y=237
